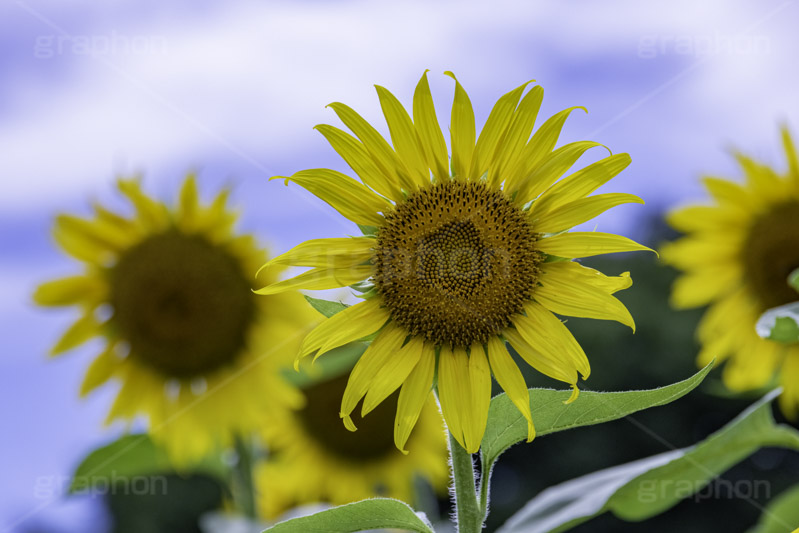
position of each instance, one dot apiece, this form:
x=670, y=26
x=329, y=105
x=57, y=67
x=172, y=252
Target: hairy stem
x=485, y=486
x=470, y=518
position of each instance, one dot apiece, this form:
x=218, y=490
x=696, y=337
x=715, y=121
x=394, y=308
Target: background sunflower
x=737, y=256
x=664, y=78
x=168, y=292
x=313, y=458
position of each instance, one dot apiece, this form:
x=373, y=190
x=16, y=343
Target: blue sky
x=93, y=90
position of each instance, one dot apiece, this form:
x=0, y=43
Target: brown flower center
x=771, y=253
x=183, y=304
x=320, y=419
x=455, y=261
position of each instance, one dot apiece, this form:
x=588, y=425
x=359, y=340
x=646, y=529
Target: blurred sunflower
x=460, y=262
x=168, y=291
x=314, y=458
x=737, y=256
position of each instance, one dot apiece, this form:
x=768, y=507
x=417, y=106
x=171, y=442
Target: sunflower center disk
x=455, y=261
x=183, y=304
x=375, y=436
x=772, y=253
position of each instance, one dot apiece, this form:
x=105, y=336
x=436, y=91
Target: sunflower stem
x=243, y=483
x=470, y=518
x=485, y=486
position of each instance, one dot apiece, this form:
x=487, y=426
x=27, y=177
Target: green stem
x=470, y=519
x=485, y=486
x=243, y=482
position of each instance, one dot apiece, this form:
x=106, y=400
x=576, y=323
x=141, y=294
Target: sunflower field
x=306, y=267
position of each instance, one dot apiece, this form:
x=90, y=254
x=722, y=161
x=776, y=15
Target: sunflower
x=168, y=292
x=314, y=458
x=459, y=262
x=737, y=255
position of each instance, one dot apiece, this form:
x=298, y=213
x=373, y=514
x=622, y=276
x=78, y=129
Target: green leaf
x=781, y=515
x=368, y=230
x=755, y=428
x=642, y=489
x=131, y=456
x=780, y=324
x=326, y=307
x=377, y=513
x=506, y=425
x=793, y=280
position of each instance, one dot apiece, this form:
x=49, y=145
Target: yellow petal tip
x=575, y=394
x=348, y=422
x=530, y=431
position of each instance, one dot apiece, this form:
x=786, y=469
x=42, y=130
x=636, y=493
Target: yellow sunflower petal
x=745, y=372
x=81, y=331
x=718, y=348
x=703, y=286
x=188, y=204
x=382, y=153
x=493, y=132
x=454, y=390
x=351, y=324
x=426, y=122
x=574, y=395
x=350, y=198
x=360, y=161
x=70, y=291
x=511, y=380
x=568, y=295
x=218, y=215
x=413, y=396
x=547, y=333
x=735, y=308
x=100, y=370
x=318, y=279
x=762, y=180
x=378, y=355
x=152, y=214
x=578, y=211
x=518, y=133
x=730, y=194
x=404, y=137
x=94, y=233
x=112, y=219
x=582, y=183
x=551, y=168
x=559, y=368
x=537, y=148
x=462, y=132
x=596, y=278
x=702, y=250
x=393, y=374
x=702, y=217
x=126, y=403
x=790, y=153
x=475, y=413
x=585, y=244
x=327, y=253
